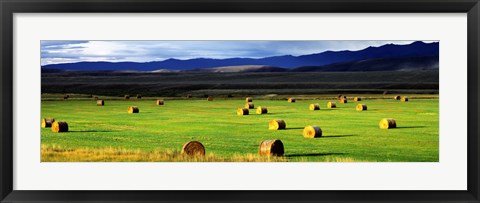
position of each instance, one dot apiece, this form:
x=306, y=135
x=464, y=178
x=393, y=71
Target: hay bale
x=59, y=126
x=160, y=102
x=262, y=110
x=133, y=109
x=126, y=96
x=331, y=105
x=242, y=111
x=396, y=97
x=248, y=99
x=343, y=100
x=404, y=99
x=277, y=124
x=312, y=132
x=271, y=148
x=210, y=98
x=387, y=123
x=314, y=107
x=357, y=99
x=100, y=103
x=65, y=96
x=249, y=105
x=47, y=122
x=291, y=100
x=139, y=96
x=361, y=107
x=193, y=148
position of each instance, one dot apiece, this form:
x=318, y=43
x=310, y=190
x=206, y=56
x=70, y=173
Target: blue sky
x=56, y=51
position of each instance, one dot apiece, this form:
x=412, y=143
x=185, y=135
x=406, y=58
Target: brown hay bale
x=291, y=100
x=248, y=99
x=59, y=126
x=331, y=105
x=357, y=99
x=242, y=111
x=404, y=99
x=387, y=123
x=343, y=100
x=361, y=107
x=271, y=148
x=139, y=96
x=396, y=98
x=160, y=102
x=100, y=103
x=126, y=96
x=262, y=110
x=249, y=105
x=193, y=148
x=314, y=107
x=133, y=109
x=210, y=98
x=277, y=124
x=47, y=122
x=312, y=132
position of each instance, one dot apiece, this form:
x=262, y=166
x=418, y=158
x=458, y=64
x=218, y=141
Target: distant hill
x=381, y=57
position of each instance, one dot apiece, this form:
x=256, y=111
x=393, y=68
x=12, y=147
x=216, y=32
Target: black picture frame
x=10, y=7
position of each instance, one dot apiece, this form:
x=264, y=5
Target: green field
x=109, y=133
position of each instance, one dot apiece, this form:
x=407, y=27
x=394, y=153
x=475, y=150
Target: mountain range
x=415, y=56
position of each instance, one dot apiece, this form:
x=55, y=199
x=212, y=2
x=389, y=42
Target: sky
x=56, y=51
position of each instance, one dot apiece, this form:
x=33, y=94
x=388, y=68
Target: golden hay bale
x=242, y=111
x=249, y=105
x=193, y=148
x=312, y=132
x=160, y=102
x=387, y=123
x=357, y=99
x=271, y=148
x=126, y=96
x=291, y=100
x=209, y=98
x=361, y=107
x=343, y=100
x=262, y=110
x=139, y=96
x=277, y=124
x=47, y=122
x=59, y=126
x=404, y=99
x=331, y=105
x=100, y=103
x=314, y=107
x=396, y=98
x=133, y=109
x=248, y=99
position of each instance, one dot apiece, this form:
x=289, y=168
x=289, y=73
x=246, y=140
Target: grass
x=157, y=133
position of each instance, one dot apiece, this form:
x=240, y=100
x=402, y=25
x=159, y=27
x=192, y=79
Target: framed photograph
x=203, y=101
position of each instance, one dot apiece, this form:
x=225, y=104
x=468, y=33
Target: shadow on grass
x=296, y=128
x=91, y=131
x=312, y=154
x=334, y=136
x=410, y=127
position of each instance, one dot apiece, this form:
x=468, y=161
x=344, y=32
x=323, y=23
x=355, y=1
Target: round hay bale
x=126, y=96
x=262, y=110
x=160, y=102
x=312, y=132
x=387, y=123
x=248, y=99
x=59, y=126
x=277, y=124
x=249, y=105
x=133, y=109
x=210, y=98
x=404, y=99
x=100, y=103
x=139, y=96
x=47, y=122
x=361, y=107
x=314, y=107
x=357, y=99
x=193, y=148
x=339, y=96
x=291, y=100
x=396, y=98
x=331, y=105
x=343, y=100
x=242, y=111
x=271, y=148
